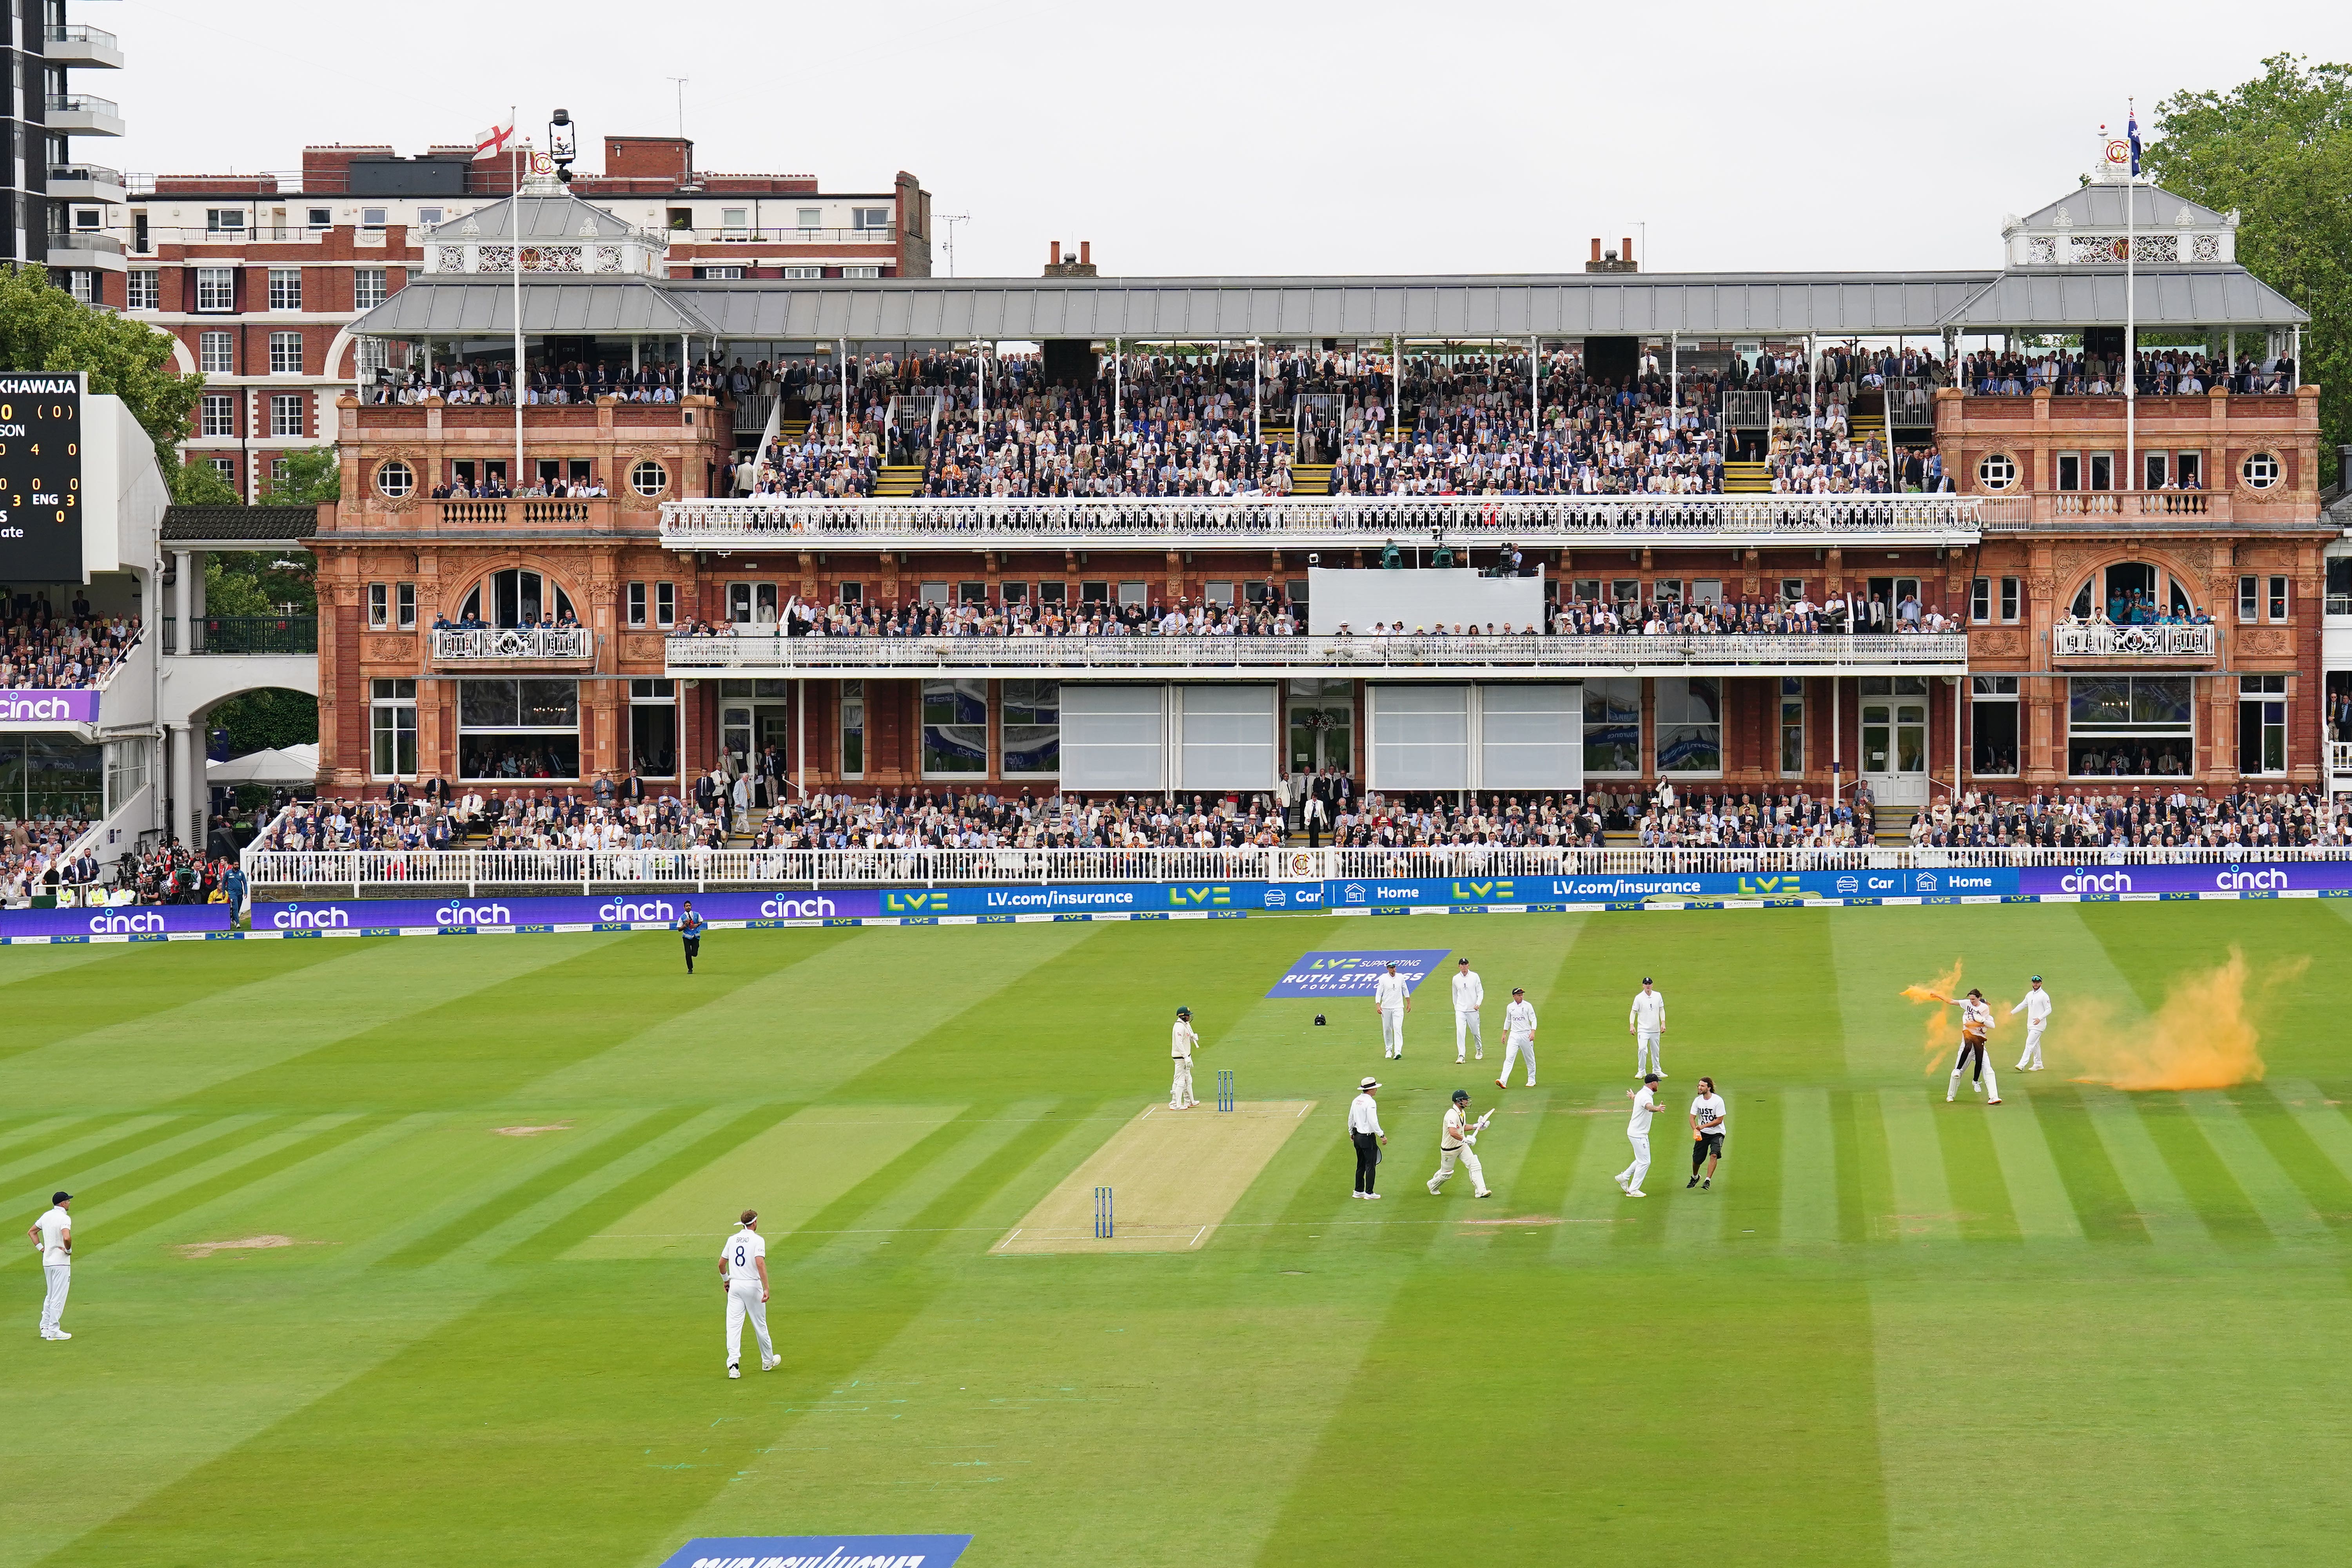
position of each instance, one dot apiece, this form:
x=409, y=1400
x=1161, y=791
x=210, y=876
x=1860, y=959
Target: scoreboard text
x=40, y=478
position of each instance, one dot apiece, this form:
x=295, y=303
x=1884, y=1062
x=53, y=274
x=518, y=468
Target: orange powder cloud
x=2205, y=1035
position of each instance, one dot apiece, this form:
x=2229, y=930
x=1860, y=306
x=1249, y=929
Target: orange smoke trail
x=2203, y=1036
x=1943, y=1024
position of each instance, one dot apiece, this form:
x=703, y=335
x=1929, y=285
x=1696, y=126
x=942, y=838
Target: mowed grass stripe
x=2284, y=1211
x=2029, y=1171
x=2102, y=1204
x=1972, y=1173
x=1911, y=1124
x=864, y=1197
x=89, y=1147
x=2292, y=1134
x=66, y=1004
x=2145, y=1172
x=968, y=1216
x=608, y=1143
x=1748, y=1184
x=1809, y=1175
x=111, y=1195
x=1865, y=1187
x=2205, y=1183
x=652, y=1164
x=889, y=1213
x=249, y=1168
x=33, y=1129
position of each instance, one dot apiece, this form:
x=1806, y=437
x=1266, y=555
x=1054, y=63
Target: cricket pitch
x=1173, y=1175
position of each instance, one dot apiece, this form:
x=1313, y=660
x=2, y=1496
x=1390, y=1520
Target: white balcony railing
x=514, y=643
x=2133, y=642
x=2339, y=756
x=1360, y=521
x=1347, y=655
x=382, y=869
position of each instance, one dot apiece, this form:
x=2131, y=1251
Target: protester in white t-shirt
x=1708, y=1119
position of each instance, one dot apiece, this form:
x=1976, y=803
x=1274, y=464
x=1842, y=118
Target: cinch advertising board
x=131, y=919
x=1378, y=892
x=2223, y=877
x=38, y=707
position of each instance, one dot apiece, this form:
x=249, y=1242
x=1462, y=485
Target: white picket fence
x=387, y=870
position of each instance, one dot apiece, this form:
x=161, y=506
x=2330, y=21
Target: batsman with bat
x=1453, y=1144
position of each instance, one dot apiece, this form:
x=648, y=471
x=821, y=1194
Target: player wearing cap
x=1453, y=1144
x=743, y=1275
x=691, y=927
x=2036, y=1007
x=1364, y=1133
x=1637, y=1134
x=1469, y=995
x=1519, y=1035
x=1181, y=1047
x=1647, y=1024
x=1709, y=1117
x=1976, y=1024
x=53, y=1234
x=1392, y=996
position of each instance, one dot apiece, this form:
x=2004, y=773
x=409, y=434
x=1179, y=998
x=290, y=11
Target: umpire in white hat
x=1364, y=1131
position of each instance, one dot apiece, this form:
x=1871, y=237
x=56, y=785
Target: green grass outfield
x=2084, y=1328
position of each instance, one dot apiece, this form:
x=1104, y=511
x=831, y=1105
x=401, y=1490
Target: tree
x=201, y=484
x=42, y=327
x=2278, y=149
x=313, y=474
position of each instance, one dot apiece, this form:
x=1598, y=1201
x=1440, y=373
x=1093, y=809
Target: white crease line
x=1196, y=1240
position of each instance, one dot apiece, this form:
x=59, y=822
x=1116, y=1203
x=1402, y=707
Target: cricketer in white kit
x=1392, y=995
x=1453, y=1144
x=744, y=1269
x=1637, y=1134
x=1647, y=1024
x=2036, y=1007
x=53, y=1234
x=1469, y=995
x=1519, y=1035
x=1181, y=1048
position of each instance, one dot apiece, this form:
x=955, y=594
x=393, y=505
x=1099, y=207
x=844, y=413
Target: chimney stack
x=1055, y=259
x=1612, y=260
x=1627, y=251
x=1077, y=261
x=1596, y=247
x=1085, y=253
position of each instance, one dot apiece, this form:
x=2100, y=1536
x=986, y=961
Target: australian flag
x=2131, y=134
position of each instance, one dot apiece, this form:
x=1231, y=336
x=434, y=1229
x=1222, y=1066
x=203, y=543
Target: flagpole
x=514, y=209
x=2131, y=303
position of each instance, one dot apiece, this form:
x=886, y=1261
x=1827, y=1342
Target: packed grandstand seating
x=571, y=381
x=2161, y=372
x=599, y=816
x=46, y=650
x=2142, y=816
x=1275, y=616
x=1224, y=423
x=31, y=849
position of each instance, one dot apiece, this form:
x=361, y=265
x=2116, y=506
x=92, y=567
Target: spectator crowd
x=43, y=648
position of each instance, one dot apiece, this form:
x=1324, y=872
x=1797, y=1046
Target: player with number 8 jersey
x=743, y=1272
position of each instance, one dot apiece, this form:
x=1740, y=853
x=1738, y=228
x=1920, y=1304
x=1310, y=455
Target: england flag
x=497, y=142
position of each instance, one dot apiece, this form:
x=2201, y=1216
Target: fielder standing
x=1647, y=1024
x=691, y=927
x=1392, y=996
x=2036, y=1007
x=1637, y=1134
x=1709, y=1117
x=1180, y=1047
x=1453, y=1144
x=743, y=1275
x=1469, y=995
x=1519, y=1035
x=1364, y=1133
x=53, y=1234
x=1976, y=1025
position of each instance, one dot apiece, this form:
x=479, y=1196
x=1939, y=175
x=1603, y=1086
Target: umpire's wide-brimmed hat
x=1370, y=1083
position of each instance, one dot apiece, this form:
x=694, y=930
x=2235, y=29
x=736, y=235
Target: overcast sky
x=1212, y=137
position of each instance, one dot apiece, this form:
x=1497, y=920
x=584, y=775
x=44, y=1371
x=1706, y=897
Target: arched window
x=1997, y=471
x=516, y=598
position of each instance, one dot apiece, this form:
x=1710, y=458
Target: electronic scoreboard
x=40, y=478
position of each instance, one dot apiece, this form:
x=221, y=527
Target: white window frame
x=142, y=290
x=379, y=605
x=371, y=287
x=1986, y=690
x=852, y=721
x=404, y=602
x=636, y=603
x=279, y=346
x=217, y=354
x=234, y=222
x=387, y=701
x=867, y=272
x=1792, y=721
x=215, y=291
x=1681, y=686
x=285, y=288
x=289, y=416
x=664, y=604
x=1602, y=689
x=216, y=416
x=2279, y=603
x=804, y=274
